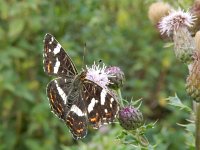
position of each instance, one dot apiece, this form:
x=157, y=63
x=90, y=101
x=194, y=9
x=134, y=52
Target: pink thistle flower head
x=130, y=118
x=98, y=74
x=175, y=20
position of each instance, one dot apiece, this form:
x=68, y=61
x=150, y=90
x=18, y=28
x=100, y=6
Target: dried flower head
x=158, y=10
x=193, y=80
x=197, y=40
x=175, y=20
x=98, y=75
x=195, y=9
x=116, y=77
x=130, y=118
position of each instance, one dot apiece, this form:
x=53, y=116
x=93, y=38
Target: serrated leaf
x=175, y=101
x=189, y=127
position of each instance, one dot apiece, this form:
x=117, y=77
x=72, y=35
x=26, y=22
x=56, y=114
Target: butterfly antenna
x=84, y=53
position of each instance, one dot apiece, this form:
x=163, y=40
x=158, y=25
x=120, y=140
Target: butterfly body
x=79, y=102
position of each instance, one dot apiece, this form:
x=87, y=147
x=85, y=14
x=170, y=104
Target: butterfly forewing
x=57, y=92
x=102, y=106
x=56, y=60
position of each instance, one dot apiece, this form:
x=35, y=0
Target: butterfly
x=77, y=101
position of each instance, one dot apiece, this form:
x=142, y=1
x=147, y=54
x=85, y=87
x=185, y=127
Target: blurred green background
x=115, y=31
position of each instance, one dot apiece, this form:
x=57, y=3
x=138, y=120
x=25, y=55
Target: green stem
x=120, y=97
x=197, y=126
x=143, y=141
x=140, y=138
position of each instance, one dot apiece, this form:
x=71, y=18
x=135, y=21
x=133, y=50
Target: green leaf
x=189, y=127
x=175, y=101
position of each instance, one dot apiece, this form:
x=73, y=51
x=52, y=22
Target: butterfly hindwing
x=76, y=119
x=67, y=103
x=102, y=106
x=56, y=60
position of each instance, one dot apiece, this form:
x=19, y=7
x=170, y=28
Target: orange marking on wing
x=60, y=106
x=79, y=131
x=51, y=97
x=48, y=68
x=108, y=114
x=59, y=109
x=71, y=124
x=93, y=119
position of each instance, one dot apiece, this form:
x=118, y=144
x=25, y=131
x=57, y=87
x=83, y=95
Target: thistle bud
x=130, y=118
x=158, y=10
x=116, y=77
x=193, y=80
x=184, y=46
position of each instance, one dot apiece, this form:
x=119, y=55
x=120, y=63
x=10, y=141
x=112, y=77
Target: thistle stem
x=140, y=138
x=120, y=97
x=143, y=141
x=197, y=126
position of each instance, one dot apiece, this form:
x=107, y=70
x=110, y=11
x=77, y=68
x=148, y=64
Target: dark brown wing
x=76, y=119
x=68, y=105
x=57, y=92
x=56, y=61
x=102, y=106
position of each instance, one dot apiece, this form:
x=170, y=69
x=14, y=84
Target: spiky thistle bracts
x=130, y=118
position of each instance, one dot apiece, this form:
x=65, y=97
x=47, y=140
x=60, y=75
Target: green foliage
x=189, y=125
x=119, y=33
x=175, y=101
x=136, y=138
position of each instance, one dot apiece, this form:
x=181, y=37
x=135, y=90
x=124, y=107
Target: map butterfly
x=77, y=101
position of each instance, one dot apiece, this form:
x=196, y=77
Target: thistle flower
x=158, y=10
x=176, y=24
x=116, y=77
x=193, y=80
x=98, y=75
x=176, y=20
x=130, y=118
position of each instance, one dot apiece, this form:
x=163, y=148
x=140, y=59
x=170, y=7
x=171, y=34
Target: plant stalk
x=120, y=97
x=197, y=126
